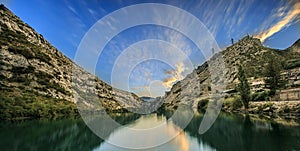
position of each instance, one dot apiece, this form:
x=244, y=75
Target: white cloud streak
x=284, y=22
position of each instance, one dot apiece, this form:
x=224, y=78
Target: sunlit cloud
x=291, y=15
x=176, y=75
x=156, y=87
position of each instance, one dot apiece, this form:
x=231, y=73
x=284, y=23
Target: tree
x=273, y=79
x=243, y=87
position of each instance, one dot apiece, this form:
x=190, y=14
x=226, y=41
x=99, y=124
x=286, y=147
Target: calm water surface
x=229, y=133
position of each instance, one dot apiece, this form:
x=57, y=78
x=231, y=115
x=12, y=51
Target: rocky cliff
x=295, y=47
x=249, y=52
x=36, y=78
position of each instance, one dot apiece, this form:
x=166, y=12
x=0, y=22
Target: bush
x=286, y=109
x=292, y=63
x=32, y=53
x=233, y=103
x=43, y=57
x=21, y=50
x=43, y=75
x=264, y=106
x=236, y=103
x=202, y=104
x=20, y=79
x=260, y=96
x=22, y=70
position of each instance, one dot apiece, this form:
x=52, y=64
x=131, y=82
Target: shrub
x=236, y=103
x=32, y=53
x=43, y=57
x=260, y=96
x=21, y=50
x=19, y=79
x=43, y=75
x=22, y=70
x=202, y=104
x=233, y=103
x=264, y=106
x=286, y=109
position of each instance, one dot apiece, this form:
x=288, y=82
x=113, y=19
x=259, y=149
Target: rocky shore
x=271, y=109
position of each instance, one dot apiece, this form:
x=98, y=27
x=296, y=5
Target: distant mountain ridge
x=36, y=78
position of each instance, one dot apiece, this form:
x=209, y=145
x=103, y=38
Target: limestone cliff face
x=295, y=47
x=30, y=64
x=249, y=52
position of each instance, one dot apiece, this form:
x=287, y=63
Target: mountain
x=249, y=52
x=295, y=47
x=36, y=78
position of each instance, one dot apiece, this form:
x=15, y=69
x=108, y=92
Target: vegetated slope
x=36, y=78
x=249, y=52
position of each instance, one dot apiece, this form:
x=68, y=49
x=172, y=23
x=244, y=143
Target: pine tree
x=243, y=87
x=273, y=79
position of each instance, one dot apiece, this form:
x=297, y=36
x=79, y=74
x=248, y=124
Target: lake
x=230, y=132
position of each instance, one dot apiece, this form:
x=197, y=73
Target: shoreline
x=276, y=110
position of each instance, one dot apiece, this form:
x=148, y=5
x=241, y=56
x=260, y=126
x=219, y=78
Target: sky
x=148, y=59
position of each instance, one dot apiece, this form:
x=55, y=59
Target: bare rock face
x=31, y=65
x=296, y=46
x=249, y=52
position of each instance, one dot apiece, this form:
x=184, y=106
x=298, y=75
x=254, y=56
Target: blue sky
x=64, y=23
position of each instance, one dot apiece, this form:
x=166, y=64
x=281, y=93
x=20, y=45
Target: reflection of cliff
x=43, y=135
x=231, y=132
x=59, y=135
x=104, y=125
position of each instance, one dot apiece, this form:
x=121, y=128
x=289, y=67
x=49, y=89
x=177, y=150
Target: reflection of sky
x=183, y=142
x=64, y=24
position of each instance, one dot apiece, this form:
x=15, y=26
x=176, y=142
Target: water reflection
x=183, y=142
x=229, y=132
x=47, y=135
x=234, y=132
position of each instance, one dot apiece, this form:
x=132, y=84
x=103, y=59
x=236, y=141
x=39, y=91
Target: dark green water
x=229, y=133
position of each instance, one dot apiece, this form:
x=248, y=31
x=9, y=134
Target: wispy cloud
x=291, y=15
x=228, y=13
